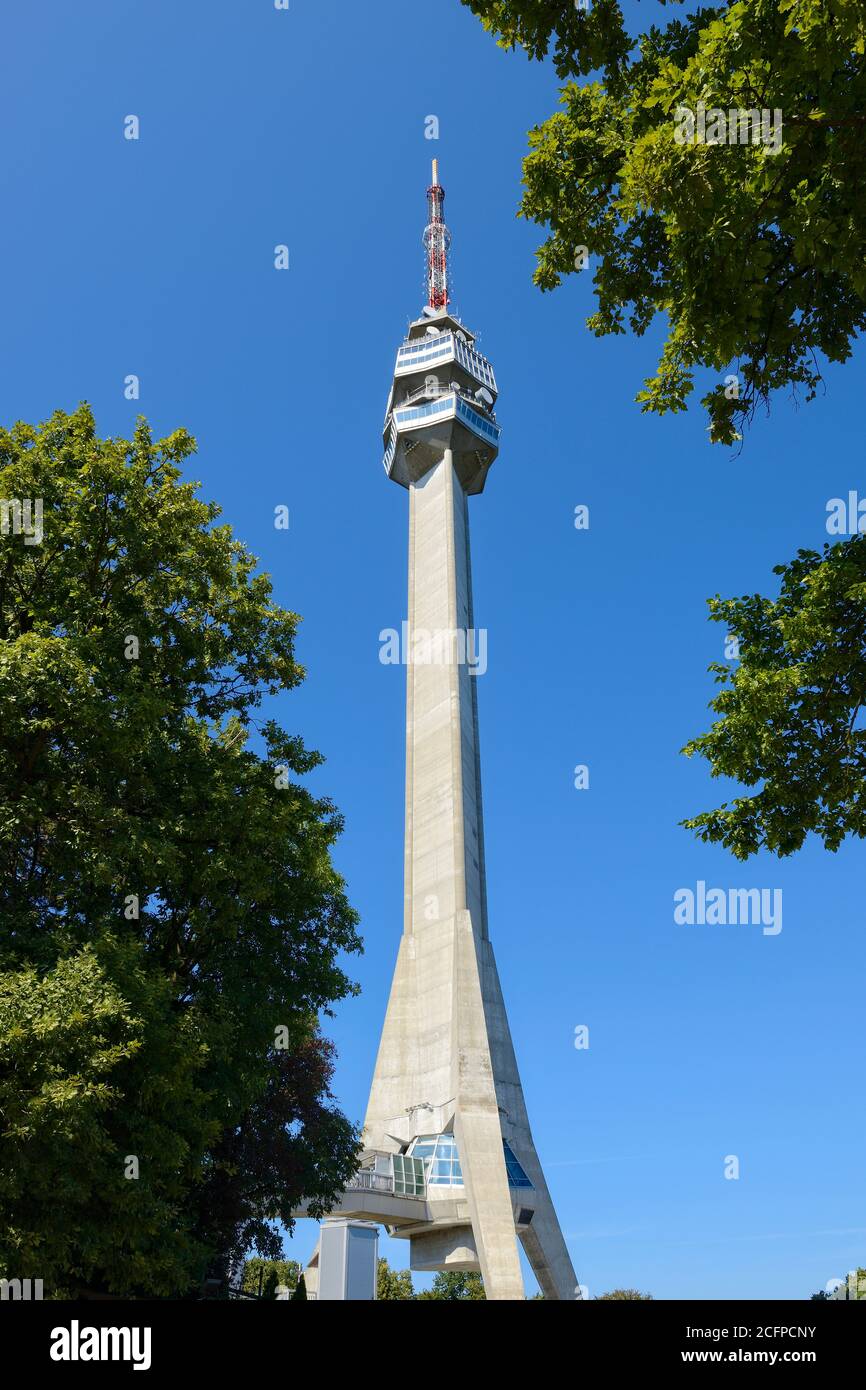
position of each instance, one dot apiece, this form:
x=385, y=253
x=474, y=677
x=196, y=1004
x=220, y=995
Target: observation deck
x=442, y=397
x=437, y=350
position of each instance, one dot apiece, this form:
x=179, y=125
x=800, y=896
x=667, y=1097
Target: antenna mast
x=437, y=241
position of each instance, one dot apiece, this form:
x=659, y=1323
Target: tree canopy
x=752, y=254
x=449, y=1285
x=791, y=721
x=456, y=1286
x=172, y=924
x=263, y=1277
x=393, y=1283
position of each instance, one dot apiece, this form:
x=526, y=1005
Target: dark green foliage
x=167, y=898
x=789, y=709
x=755, y=260
x=262, y=1277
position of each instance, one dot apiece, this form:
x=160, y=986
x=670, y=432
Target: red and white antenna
x=437, y=241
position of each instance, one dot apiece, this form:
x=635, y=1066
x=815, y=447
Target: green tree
x=261, y=1277
x=789, y=710
x=301, y=1290
x=172, y=924
x=618, y=1295
x=393, y=1283
x=456, y=1285
x=753, y=256
x=79, y=1041
x=292, y=1140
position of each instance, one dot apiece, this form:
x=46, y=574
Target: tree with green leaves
x=262, y=1277
x=790, y=711
x=172, y=924
x=753, y=254
x=293, y=1139
x=624, y=1295
x=456, y=1286
x=300, y=1294
x=393, y=1283
x=756, y=260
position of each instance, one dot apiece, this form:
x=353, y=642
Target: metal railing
x=455, y=404
x=404, y=415
x=368, y=1180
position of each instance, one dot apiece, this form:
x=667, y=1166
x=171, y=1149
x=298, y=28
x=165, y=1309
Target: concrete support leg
x=548, y=1254
x=478, y=1129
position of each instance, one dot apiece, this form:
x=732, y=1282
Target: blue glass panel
x=516, y=1175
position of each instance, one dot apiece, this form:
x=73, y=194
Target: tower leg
x=547, y=1253
x=543, y=1241
x=478, y=1128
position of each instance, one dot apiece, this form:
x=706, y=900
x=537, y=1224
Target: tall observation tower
x=448, y=1162
x=446, y=1121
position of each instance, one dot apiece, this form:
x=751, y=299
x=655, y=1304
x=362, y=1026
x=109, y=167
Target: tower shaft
x=444, y=846
x=446, y=1062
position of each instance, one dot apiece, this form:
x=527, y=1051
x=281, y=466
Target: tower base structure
x=446, y=1020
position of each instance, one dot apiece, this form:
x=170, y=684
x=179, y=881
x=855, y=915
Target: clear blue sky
x=261, y=127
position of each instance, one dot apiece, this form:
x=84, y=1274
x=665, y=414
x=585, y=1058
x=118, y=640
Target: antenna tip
x=435, y=171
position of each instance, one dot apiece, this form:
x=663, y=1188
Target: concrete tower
x=449, y=1158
